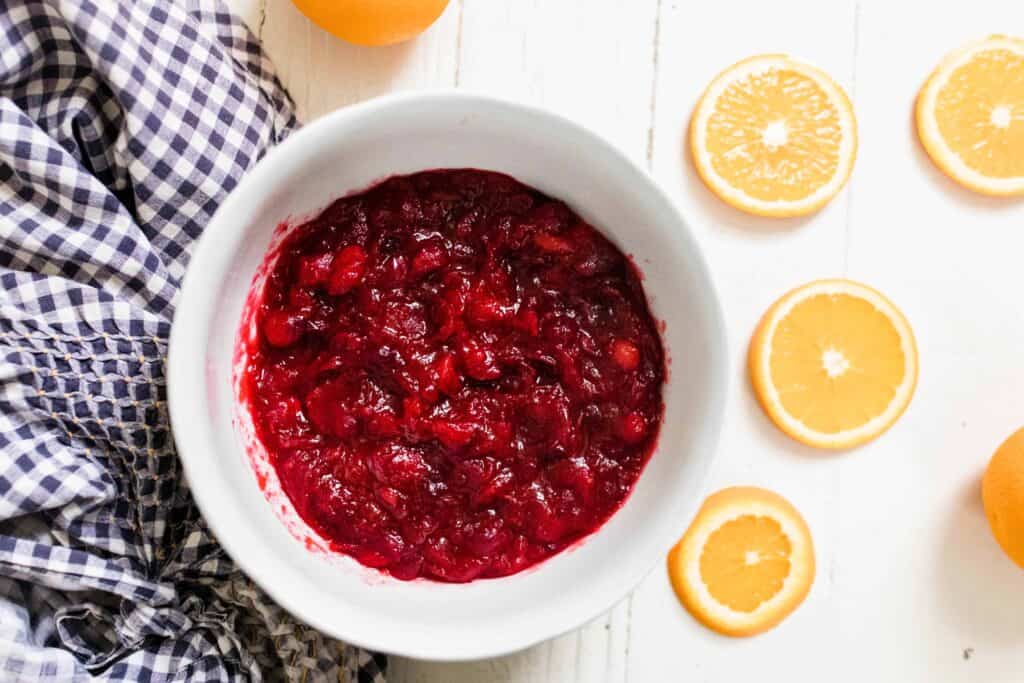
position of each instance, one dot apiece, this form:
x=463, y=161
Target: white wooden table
x=910, y=586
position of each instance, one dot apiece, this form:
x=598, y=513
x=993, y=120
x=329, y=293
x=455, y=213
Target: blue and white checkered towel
x=122, y=127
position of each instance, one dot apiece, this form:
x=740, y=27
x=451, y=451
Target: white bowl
x=345, y=152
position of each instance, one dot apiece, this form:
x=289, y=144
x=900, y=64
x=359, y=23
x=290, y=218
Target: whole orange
x=373, y=22
x=1002, y=493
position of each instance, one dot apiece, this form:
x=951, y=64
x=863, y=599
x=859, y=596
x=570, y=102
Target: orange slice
x=745, y=563
x=1002, y=493
x=970, y=116
x=833, y=363
x=774, y=137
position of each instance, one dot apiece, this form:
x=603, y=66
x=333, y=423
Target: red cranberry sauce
x=456, y=376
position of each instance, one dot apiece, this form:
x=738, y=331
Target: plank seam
x=458, y=44
x=848, y=226
x=654, y=86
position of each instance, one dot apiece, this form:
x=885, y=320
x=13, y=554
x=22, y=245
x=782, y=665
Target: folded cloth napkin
x=122, y=127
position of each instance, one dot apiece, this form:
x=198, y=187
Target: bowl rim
x=181, y=411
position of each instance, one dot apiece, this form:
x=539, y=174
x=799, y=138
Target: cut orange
x=774, y=137
x=1002, y=493
x=745, y=563
x=970, y=116
x=833, y=363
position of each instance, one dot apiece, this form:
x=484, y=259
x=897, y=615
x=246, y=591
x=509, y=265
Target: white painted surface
x=911, y=587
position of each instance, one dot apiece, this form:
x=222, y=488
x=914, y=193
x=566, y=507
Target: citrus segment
x=970, y=115
x=833, y=363
x=773, y=136
x=1002, y=492
x=745, y=563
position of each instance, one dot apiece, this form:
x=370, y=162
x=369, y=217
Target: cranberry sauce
x=455, y=377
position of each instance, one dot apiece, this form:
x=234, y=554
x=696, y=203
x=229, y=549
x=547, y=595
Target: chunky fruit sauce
x=455, y=376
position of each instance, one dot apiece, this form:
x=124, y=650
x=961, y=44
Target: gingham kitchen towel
x=122, y=127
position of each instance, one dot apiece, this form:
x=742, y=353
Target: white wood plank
x=595, y=653
x=590, y=61
x=324, y=73
x=754, y=260
x=951, y=261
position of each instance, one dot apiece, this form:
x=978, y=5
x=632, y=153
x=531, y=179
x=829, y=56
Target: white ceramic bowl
x=347, y=151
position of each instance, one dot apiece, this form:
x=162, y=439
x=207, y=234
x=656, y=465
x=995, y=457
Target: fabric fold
x=123, y=126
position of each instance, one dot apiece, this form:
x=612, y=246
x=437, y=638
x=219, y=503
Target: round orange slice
x=970, y=116
x=833, y=363
x=745, y=563
x=773, y=136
